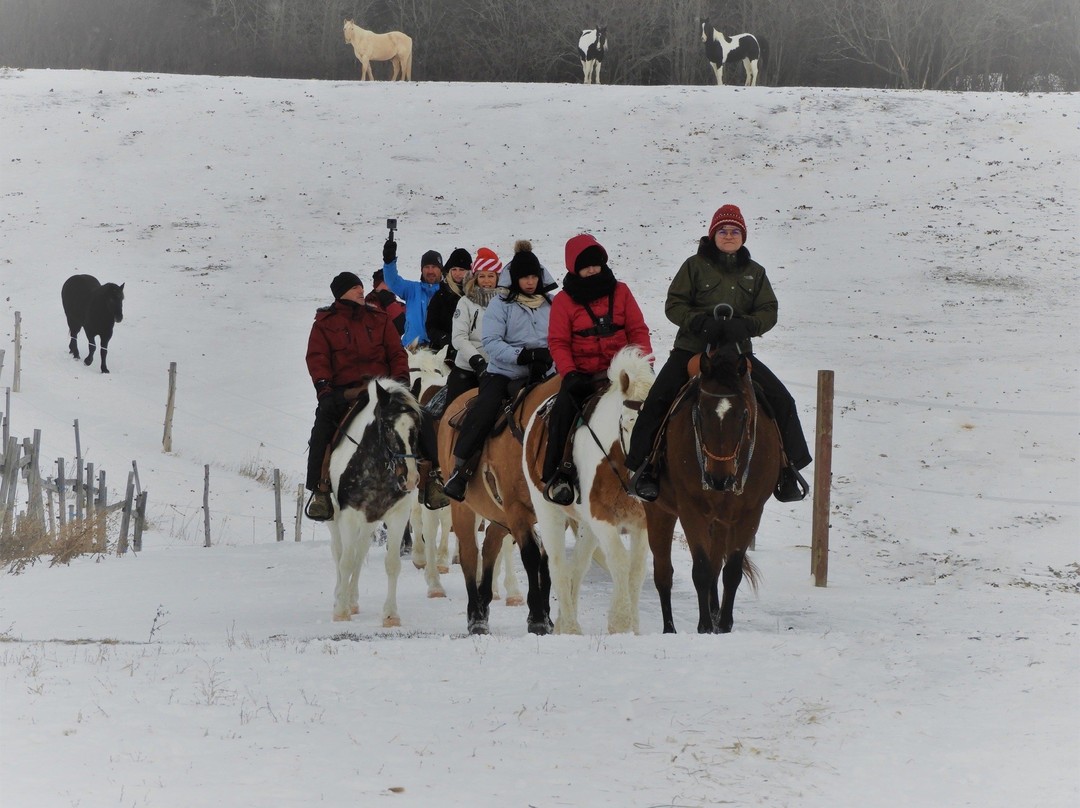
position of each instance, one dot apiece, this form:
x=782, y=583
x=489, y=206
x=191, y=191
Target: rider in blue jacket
x=416, y=294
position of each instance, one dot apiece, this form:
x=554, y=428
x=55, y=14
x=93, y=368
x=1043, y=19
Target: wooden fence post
x=1, y=363
x=61, y=488
x=125, y=514
x=819, y=547
x=279, y=525
x=206, y=504
x=17, y=372
x=299, y=509
x=140, y=520
x=166, y=438
x=78, y=490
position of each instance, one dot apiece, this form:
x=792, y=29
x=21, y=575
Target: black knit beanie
x=431, y=257
x=459, y=258
x=525, y=263
x=343, y=283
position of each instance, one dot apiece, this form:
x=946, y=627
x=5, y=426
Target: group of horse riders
x=504, y=329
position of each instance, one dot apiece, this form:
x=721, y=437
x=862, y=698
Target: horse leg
x=91, y=340
x=705, y=577
x=733, y=575
x=73, y=345
x=639, y=554
x=551, y=522
x=660, y=528
x=751, y=72
x=395, y=519
x=104, y=352
x=719, y=70
x=510, y=582
x=429, y=521
x=442, y=556
x=620, y=619
x=465, y=524
x=349, y=549
x=596, y=79
x=365, y=70
x=539, y=596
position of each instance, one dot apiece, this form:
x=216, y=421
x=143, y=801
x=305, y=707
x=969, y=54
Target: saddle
x=518, y=389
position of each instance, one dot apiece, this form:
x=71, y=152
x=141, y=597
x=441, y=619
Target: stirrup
x=456, y=485
x=791, y=486
x=319, y=508
x=560, y=491
x=644, y=485
x=434, y=498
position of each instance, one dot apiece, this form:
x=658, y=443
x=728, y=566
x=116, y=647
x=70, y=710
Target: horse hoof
x=88, y=362
x=391, y=622
x=354, y=610
x=341, y=618
x=478, y=628
x=443, y=569
x=420, y=565
x=541, y=628
x=515, y=600
x=438, y=593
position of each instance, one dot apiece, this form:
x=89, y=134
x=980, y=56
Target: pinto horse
x=498, y=493
x=94, y=307
x=606, y=508
x=369, y=47
x=722, y=456
x=721, y=51
x=373, y=475
x=591, y=49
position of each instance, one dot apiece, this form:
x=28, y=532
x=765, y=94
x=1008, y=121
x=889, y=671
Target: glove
x=534, y=356
x=478, y=364
x=578, y=384
x=389, y=250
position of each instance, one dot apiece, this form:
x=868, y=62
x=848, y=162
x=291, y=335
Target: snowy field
x=923, y=246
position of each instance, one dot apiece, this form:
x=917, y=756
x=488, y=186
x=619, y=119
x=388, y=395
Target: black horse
x=94, y=307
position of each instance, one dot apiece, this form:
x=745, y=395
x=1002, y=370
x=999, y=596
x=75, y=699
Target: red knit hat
x=727, y=214
x=486, y=261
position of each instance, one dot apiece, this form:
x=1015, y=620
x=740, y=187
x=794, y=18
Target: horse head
x=631, y=377
x=347, y=29
x=706, y=29
x=397, y=415
x=725, y=418
x=113, y=295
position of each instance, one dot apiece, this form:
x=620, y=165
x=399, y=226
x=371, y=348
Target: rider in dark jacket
x=722, y=271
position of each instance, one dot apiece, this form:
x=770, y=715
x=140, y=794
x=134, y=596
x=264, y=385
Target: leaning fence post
x=819, y=547
x=279, y=525
x=78, y=474
x=299, y=509
x=140, y=519
x=166, y=438
x=61, y=487
x=125, y=514
x=206, y=504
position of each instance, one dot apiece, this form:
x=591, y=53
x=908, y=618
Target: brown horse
x=722, y=458
x=498, y=493
x=368, y=46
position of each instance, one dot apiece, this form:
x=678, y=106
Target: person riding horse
x=350, y=343
x=592, y=319
x=721, y=272
x=515, y=338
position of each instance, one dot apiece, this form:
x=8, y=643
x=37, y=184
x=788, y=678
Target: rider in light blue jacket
x=416, y=294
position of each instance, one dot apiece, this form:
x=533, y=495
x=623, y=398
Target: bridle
x=395, y=464
x=747, y=436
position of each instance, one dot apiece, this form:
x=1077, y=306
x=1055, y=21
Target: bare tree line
x=924, y=44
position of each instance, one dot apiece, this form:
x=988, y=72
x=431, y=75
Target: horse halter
x=736, y=481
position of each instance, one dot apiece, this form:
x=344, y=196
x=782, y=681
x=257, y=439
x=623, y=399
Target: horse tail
x=750, y=573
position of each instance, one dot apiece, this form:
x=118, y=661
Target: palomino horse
x=369, y=47
x=721, y=51
x=498, y=493
x=374, y=476
x=606, y=507
x=428, y=370
x=722, y=459
x=95, y=308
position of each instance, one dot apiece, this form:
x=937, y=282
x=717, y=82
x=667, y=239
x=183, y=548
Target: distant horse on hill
x=721, y=51
x=368, y=46
x=591, y=48
x=95, y=308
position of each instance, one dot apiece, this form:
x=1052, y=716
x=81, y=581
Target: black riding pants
x=674, y=375
x=459, y=381
x=575, y=389
x=482, y=414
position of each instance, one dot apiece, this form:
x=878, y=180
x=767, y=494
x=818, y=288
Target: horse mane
x=634, y=362
x=397, y=390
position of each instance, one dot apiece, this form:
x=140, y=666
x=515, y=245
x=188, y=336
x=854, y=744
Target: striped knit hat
x=486, y=261
x=729, y=215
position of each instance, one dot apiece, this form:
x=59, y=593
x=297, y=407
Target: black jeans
x=459, y=381
x=564, y=413
x=482, y=414
x=674, y=375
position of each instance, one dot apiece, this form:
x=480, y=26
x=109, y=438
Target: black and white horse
x=721, y=51
x=591, y=48
x=94, y=307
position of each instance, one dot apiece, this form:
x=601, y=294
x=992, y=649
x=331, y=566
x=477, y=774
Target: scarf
x=479, y=295
x=528, y=301
x=585, y=290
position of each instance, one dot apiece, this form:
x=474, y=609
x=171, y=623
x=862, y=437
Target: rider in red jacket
x=592, y=319
x=350, y=343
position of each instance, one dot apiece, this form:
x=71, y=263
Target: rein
x=630, y=405
x=747, y=429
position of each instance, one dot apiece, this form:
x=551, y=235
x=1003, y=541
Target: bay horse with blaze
x=721, y=459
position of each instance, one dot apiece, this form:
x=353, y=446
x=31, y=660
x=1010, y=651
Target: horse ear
x=416, y=388
x=441, y=355
x=624, y=382
x=121, y=287
x=411, y=347
x=381, y=395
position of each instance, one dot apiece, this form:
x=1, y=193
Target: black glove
x=534, y=356
x=389, y=250
x=333, y=404
x=478, y=364
x=578, y=384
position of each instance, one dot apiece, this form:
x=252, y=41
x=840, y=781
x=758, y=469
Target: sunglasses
x=728, y=233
